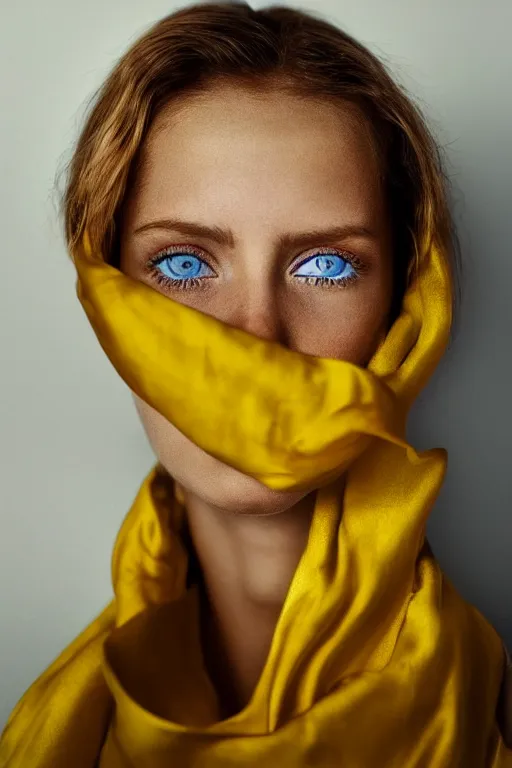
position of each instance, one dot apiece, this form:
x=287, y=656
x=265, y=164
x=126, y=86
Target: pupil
x=325, y=262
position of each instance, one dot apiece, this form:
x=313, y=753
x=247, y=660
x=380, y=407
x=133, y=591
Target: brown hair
x=276, y=47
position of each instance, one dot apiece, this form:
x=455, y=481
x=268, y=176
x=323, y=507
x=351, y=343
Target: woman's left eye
x=327, y=268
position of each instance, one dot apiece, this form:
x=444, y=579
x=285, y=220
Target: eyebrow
x=227, y=238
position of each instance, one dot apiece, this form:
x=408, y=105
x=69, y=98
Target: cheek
x=205, y=476
x=348, y=325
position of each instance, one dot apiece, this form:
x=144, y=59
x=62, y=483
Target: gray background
x=73, y=451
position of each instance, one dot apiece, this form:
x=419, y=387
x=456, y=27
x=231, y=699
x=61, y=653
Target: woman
x=259, y=222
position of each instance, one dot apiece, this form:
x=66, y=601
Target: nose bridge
x=258, y=304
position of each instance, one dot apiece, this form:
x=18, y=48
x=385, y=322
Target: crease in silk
x=375, y=660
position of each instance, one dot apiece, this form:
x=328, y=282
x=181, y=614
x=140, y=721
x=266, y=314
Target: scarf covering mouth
x=376, y=660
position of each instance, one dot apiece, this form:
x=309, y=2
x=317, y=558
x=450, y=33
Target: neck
x=247, y=564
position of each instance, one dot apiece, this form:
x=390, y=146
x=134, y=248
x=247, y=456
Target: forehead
x=233, y=144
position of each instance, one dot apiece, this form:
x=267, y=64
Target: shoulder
x=504, y=713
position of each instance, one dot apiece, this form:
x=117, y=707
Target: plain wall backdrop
x=73, y=451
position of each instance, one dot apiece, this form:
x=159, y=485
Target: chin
x=207, y=478
x=224, y=487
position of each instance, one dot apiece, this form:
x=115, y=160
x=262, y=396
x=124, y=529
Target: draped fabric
x=376, y=660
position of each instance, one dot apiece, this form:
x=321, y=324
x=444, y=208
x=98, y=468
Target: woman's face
x=251, y=174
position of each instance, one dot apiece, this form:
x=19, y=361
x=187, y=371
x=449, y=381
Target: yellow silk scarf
x=376, y=661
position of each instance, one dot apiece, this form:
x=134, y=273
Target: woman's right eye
x=179, y=269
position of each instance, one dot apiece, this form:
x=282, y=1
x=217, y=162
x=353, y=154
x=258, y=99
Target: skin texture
x=261, y=164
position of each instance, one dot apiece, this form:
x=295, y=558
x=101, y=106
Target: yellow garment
x=376, y=661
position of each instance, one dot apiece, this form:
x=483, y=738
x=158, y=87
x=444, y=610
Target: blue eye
x=182, y=266
x=176, y=267
x=328, y=265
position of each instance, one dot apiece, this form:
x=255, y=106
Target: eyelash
x=189, y=283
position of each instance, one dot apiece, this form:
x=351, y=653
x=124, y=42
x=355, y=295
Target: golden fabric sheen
x=376, y=660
